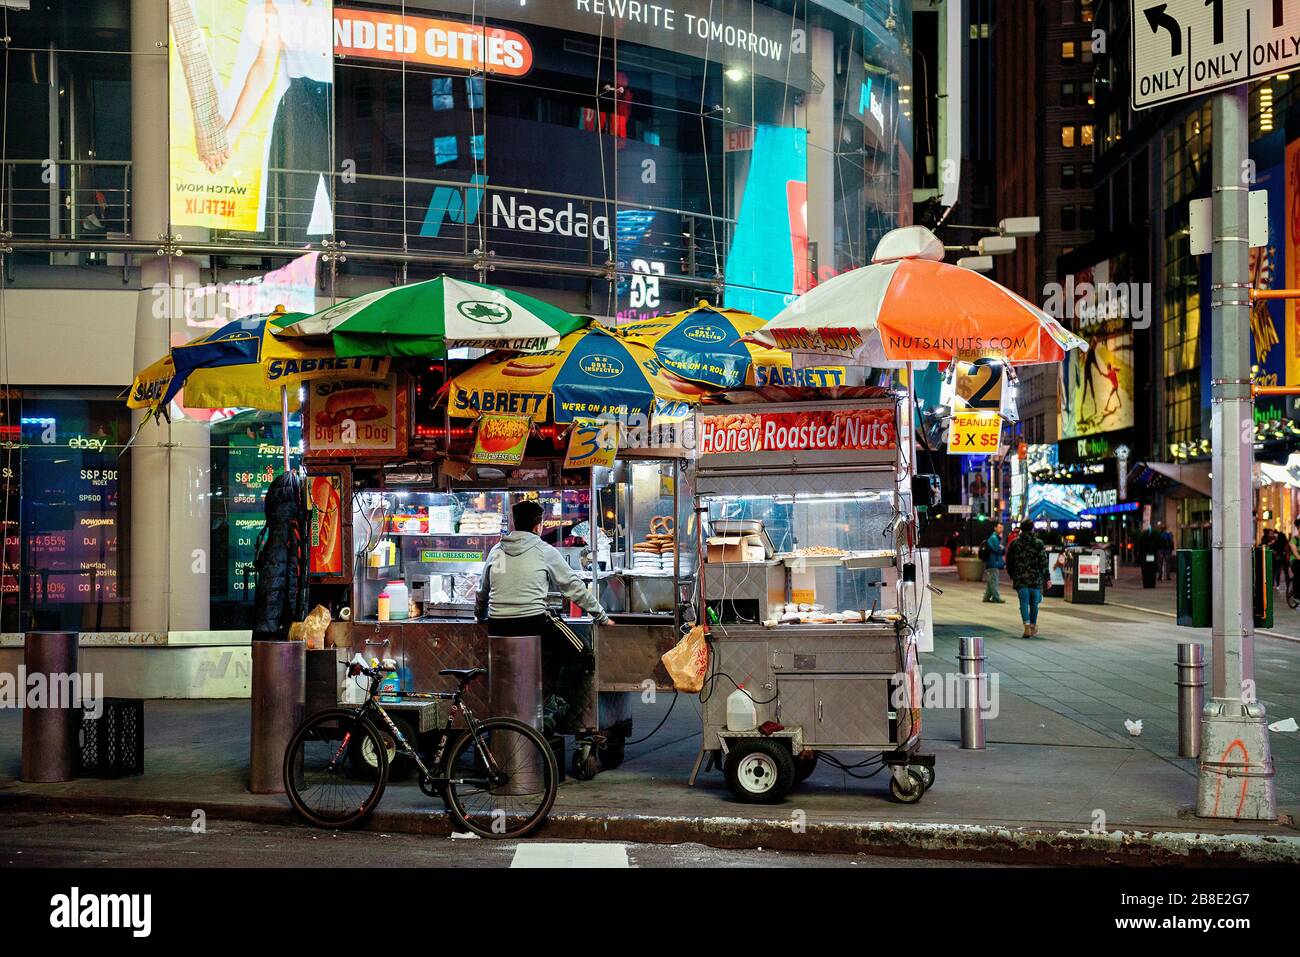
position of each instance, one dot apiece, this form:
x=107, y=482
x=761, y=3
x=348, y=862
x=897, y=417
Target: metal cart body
x=842, y=686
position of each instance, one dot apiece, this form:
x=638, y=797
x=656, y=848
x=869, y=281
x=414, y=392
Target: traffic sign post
x=1236, y=763
x=1185, y=48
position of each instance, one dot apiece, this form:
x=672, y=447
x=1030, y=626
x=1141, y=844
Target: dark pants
x=300, y=146
x=564, y=668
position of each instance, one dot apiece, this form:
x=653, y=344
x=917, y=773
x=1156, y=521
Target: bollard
x=515, y=679
x=1191, y=698
x=974, y=685
x=279, y=685
x=50, y=734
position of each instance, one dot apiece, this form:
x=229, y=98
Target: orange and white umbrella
x=910, y=306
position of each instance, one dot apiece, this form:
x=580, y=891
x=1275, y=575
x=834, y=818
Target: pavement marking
x=570, y=855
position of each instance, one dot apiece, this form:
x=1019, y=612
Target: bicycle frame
x=406, y=748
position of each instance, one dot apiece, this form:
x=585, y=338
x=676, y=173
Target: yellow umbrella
x=593, y=372
x=243, y=365
x=708, y=344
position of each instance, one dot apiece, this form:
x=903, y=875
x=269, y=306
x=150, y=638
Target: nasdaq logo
x=450, y=203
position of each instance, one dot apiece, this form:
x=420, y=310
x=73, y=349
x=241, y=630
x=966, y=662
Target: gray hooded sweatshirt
x=518, y=573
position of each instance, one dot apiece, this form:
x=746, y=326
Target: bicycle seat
x=463, y=675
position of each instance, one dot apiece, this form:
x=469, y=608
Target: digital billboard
x=1097, y=385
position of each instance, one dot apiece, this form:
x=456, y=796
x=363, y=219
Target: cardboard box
x=725, y=548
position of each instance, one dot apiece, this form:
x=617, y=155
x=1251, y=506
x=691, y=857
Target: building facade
x=172, y=164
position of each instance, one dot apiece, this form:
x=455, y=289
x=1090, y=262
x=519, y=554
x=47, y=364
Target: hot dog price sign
x=345, y=417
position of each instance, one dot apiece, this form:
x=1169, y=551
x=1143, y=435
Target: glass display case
x=432, y=545
x=823, y=558
x=644, y=514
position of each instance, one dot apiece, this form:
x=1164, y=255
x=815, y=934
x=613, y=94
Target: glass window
x=1068, y=51
x=1085, y=176
x=1067, y=136
x=443, y=96
x=1067, y=93
x=444, y=150
x=1086, y=134
x=1067, y=176
x=1068, y=218
x=1085, y=217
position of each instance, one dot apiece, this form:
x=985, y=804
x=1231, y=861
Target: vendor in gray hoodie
x=518, y=575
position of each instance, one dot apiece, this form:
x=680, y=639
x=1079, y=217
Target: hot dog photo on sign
x=351, y=416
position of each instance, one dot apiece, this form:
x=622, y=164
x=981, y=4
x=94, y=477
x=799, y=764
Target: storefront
x=618, y=162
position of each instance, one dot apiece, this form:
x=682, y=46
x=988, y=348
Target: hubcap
x=757, y=773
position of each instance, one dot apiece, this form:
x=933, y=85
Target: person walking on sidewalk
x=1165, y=551
x=1027, y=565
x=1281, y=559
x=994, y=559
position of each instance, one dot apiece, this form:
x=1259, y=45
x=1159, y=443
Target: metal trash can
x=515, y=680
x=1195, y=595
x=49, y=746
x=279, y=686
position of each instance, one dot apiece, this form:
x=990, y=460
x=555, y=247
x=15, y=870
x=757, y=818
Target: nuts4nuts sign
x=1183, y=48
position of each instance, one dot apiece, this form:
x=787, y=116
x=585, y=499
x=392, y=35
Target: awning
x=1167, y=476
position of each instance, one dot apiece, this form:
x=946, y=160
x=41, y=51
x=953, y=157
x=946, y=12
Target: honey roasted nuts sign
x=354, y=417
x=814, y=430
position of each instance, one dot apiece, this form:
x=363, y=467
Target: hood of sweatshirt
x=516, y=543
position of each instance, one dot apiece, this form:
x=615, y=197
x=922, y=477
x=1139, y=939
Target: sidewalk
x=1058, y=761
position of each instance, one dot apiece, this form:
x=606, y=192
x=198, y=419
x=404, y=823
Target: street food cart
x=415, y=522
x=809, y=584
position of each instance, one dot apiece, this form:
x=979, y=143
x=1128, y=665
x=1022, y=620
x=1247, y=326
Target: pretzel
x=662, y=525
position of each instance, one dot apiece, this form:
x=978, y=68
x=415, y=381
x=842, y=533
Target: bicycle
x=499, y=778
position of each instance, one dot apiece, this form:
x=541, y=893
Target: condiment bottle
x=383, y=605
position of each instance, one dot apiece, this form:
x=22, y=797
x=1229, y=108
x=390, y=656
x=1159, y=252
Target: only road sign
x=1183, y=48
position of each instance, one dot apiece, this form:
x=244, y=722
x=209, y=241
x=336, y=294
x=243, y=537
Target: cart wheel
x=611, y=755
x=804, y=767
x=911, y=795
x=926, y=773
x=760, y=771
x=585, y=764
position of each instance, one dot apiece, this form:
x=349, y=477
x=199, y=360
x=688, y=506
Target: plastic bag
x=688, y=661
x=312, y=628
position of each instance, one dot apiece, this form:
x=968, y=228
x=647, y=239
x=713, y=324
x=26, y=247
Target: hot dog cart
x=808, y=582
x=415, y=530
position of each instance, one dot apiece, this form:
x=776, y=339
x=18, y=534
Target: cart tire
x=611, y=755
x=910, y=796
x=926, y=772
x=585, y=767
x=804, y=767
x=760, y=771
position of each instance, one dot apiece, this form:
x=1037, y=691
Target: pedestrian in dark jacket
x=996, y=560
x=1027, y=566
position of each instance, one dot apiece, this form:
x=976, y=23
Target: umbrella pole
x=284, y=423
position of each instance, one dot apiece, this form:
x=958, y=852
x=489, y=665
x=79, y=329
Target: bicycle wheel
x=506, y=788
x=326, y=776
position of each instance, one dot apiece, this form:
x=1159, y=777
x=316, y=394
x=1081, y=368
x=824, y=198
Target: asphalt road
x=82, y=840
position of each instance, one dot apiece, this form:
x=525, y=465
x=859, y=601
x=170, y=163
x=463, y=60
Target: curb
x=969, y=842
x=1170, y=614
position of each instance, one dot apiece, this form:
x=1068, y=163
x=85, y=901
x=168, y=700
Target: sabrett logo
x=279, y=368
x=521, y=403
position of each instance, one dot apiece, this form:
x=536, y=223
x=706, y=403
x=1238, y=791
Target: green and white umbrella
x=428, y=318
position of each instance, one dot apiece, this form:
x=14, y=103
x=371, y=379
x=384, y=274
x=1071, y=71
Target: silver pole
x=1236, y=768
x=1191, y=698
x=974, y=687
